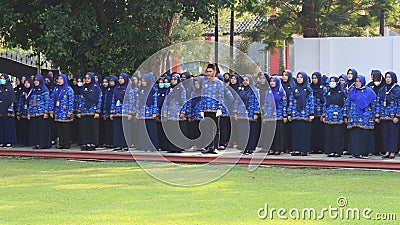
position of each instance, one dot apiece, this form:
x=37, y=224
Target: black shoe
x=92, y=148
x=84, y=148
x=338, y=155
x=385, y=156
x=295, y=153
x=221, y=147
x=304, y=154
x=117, y=149
x=331, y=155
x=35, y=147
x=270, y=152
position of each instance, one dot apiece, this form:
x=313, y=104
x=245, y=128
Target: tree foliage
x=317, y=18
x=106, y=36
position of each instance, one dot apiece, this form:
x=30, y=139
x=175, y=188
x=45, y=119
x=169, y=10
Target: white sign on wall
x=334, y=56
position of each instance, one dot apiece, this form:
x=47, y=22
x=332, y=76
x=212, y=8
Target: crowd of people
x=278, y=113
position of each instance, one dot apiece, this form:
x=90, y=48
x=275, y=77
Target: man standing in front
x=213, y=94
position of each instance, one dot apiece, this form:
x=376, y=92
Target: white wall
x=334, y=56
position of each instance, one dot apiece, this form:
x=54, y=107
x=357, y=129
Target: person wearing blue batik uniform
x=187, y=82
x=359, y=112
x=7, y=122
x=103, y=129
x=262, y=86
x=214, y=96
x=121, y=106
x=108, y=123
x=61, y=109
x=389, y=113
x=146, y=113
x=301, y=113
x=234, y=85
x=174, y=114
x=22, y=110
x=275, y=114
x=19, y=85
x=333, y=118
x=89, y=110
x=352, y=75
x=288, y=84
x=38, y=109
x=195, y=108
x=377, y=82
x=77, y=88
x=162, y=91
x=49, y=82
x=248, y=110
x=317, y=126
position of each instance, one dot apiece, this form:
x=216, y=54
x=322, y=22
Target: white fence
x=334, y=56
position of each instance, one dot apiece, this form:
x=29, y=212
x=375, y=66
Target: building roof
x=239, y=27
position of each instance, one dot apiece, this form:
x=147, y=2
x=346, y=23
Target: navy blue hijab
x=350, y=83
x=301, y=91
x=60, y=90
x=41, y=88
x=145, y=94
x=289, y=85
x=390, y=91
x=120, y=89
x=110, y=91
x=318, y=88
x=335, y=96
x=238, y=81
x=246, y=91
x=363, y=96
x=91, y=91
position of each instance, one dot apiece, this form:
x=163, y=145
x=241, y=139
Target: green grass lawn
x=59, y=191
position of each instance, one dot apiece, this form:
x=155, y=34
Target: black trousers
x=225, y=130
x=89, y=130
x=248, y=142
x=214, y=132
x=64, y=133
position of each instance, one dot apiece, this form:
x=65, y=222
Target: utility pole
x=216, y=34
x=382, y=22
x=232, y=34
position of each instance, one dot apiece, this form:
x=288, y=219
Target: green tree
x=97, y=35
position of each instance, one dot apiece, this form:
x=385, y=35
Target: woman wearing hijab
x=89, y=110
x=275, y=113
x=317, y=126
x=360, y=111
x=22, y=110
x=301, y=113
x=121, y=106
x=7, y=122
x=62, y=109
x=333, y=118
x=389, y=113
x=248, y=110
x=38, y=109
x=49, y=82
x=102, y=128
x=146, y=113
x=262, y=87
x=234, y=86
x=77, y=88
x=174, y=111
x=195, y=108
x=288, y=84
x=19, y=85
x=107, y=122
x=164, y=84
x=377, y=82
x=352, y=75
x=343, y=80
